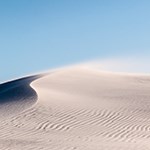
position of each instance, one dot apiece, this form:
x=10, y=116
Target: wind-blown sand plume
x=82, y=109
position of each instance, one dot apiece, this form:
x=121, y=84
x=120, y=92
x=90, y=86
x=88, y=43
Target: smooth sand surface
x=76, y=109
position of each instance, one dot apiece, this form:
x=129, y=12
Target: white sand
x=82, y=109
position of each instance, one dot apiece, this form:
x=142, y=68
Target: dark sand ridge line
x=17, y=95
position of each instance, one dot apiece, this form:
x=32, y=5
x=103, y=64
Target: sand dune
x=76, y=109
x=17, y=95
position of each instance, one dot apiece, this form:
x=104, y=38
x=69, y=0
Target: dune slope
x=77, y=109
x=16, y=96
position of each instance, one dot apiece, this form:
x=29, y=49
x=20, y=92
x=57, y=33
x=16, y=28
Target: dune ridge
x=17, y=95
x=79, y=109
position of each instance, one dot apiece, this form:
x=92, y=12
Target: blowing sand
x=76, y=109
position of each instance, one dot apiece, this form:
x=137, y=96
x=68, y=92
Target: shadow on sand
x=17, y=95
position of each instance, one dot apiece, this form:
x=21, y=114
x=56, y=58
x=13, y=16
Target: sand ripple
x=78, y=109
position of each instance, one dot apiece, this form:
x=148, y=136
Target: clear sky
x=36, y=35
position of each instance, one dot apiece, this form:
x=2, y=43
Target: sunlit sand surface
x=76, y=108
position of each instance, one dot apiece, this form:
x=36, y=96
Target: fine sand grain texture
x=76, y=109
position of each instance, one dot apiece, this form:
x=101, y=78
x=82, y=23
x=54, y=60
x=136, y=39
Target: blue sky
x=37, y=35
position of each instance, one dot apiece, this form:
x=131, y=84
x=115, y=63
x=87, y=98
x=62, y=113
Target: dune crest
x=81, y=109
x=17, y=95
